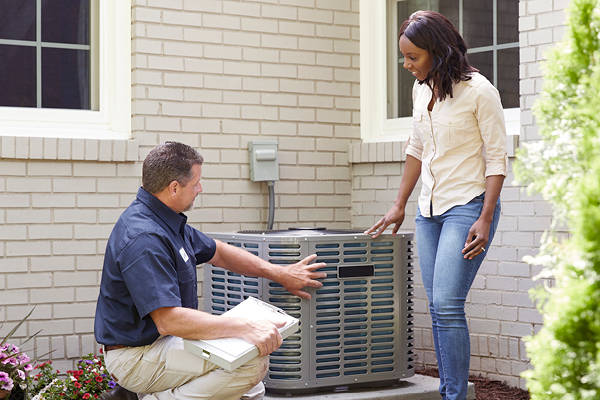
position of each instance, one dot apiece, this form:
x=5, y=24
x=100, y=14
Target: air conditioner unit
x=355, y=331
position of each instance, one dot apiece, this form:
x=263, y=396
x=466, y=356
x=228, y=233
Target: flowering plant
x=88, y=381
x=14, y=364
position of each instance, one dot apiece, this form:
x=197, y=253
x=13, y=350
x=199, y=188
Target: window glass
x=17, y=76
x=17, y=20
x=508, y=21
x=65, y=21
x=45, y=54
x=65, y=79
x=478, y=23
x=508, y=77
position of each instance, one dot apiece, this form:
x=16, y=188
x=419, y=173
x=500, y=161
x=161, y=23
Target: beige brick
x=261, y=55
x=165, y=63
x=259, y=25
x=92, y=231
x=279, y=42
x=283, y=71
x=332, y=116
x=118, y=185
x=181, y=18
x=315, y=44
x=53, y=231
x=163, y=124
x=347, y=75
x=297, y=201
x=204, y=66
x=297, y=28
x=260, y=84
x=52, y=264
x=242, y=69
x=181, y=109
x=146, y=46
x=50, y=148
x=240, y=127
x=329, y=31
x=278, y=128
x=12, y=232
x=241, y=98
x=202, y=35
x=322, y=16
x=316, y=73
x=279, y=12
x=74, y=215
x=297, y=114
x=52, y=200
x=346, y=18
x=318, y=214
x=73, y=247
x=213, y=6
x=298, y=57
x=28, y=216
x=164, y=32
x=74, y=279
x=221, y=201
x=13, y=201
x=317, y=188
x=183, y=49
x=145, y=14
x=28, y=185
x=316, y=130
x=226, y=22
x=334, y=60
x=223, y=52
x=28, y=249
x=333, y=173
x=203, y=95
x=220, y=111
x=279, y=99
x=241, y=39
x=22, y=147
x=296, y=86
x=142, y=77
x=296, y=173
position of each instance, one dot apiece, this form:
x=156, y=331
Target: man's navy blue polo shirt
x=150, y=262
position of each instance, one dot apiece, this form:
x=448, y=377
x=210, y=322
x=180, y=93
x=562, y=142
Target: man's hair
x=168, y=162
x=431, y=31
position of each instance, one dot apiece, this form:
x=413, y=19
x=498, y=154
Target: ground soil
x=487, y=389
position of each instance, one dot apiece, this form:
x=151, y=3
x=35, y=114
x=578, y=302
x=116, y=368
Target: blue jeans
x=447, y=277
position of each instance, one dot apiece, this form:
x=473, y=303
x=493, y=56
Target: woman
x=458, y=147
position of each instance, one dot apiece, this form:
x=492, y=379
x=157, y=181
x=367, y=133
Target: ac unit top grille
x=299, y=231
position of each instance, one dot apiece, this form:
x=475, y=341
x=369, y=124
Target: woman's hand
x=394, y=216
x=477, y=239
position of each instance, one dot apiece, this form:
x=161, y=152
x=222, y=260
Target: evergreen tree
x=564, y=166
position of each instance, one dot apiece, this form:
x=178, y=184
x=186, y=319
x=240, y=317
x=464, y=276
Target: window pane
x=508, y=77
x=17, y=76
x=478, y=29
x=65, y=78
x=484, y=62
x=449, y=9
x=508, y=21
x=65, y=21
x=17, y=20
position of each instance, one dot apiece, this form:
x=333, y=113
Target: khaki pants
x=165, y=371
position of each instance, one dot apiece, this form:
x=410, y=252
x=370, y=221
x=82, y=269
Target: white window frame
x=112, y=121
x=375, y=125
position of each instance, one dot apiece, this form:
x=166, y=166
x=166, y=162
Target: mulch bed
x=487, y=389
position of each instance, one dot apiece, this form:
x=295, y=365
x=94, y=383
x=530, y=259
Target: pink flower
x=5, y=382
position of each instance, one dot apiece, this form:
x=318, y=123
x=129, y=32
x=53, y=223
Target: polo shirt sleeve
x=149, y=271
x=490, y=118
x=204, y=246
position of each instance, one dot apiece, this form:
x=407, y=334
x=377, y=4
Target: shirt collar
x=174, y=220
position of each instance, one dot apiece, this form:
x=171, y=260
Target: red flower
x=86, y=396
x=88, y=381
x=77, y=385
x=98, y=379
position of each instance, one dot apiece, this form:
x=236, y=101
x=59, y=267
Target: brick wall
x=214, y=74
x=498, y=307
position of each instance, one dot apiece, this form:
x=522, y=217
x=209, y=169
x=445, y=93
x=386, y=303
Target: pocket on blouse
x=452, y=131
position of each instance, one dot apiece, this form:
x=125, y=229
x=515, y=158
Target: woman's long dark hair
x=433, y=32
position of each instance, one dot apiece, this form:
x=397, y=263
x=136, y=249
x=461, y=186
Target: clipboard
x=230, y=353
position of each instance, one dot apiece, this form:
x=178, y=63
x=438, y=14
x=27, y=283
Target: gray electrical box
x=264, y=163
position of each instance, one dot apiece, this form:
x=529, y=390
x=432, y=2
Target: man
x=148, y=296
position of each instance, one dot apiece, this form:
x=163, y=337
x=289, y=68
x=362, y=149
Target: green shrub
x=564, y=166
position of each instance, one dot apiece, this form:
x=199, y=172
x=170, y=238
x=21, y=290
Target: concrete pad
x=417, y=387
